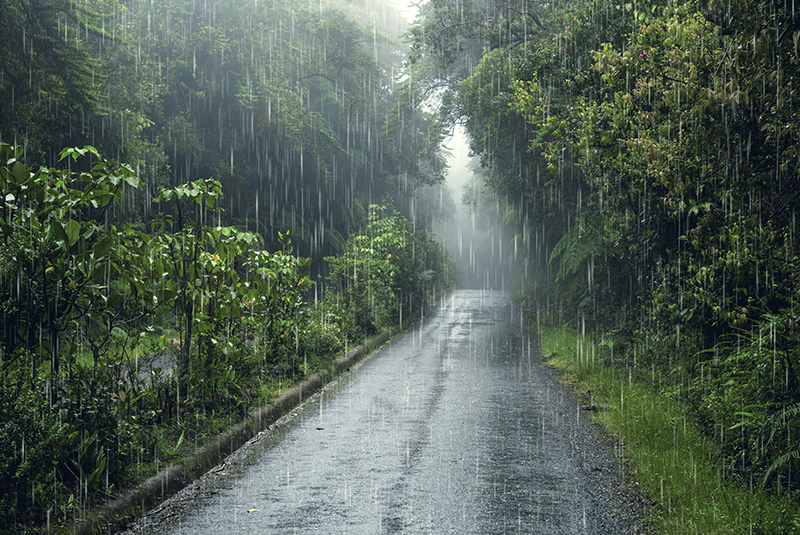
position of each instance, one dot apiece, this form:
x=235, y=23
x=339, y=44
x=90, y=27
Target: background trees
x=296, y=108
x=387, y=274
x=52, y=81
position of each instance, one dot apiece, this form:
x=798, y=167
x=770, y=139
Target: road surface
x=455, y=427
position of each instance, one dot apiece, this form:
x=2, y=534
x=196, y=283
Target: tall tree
x=51, y=82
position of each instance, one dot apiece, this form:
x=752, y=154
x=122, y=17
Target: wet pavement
x=455, y=427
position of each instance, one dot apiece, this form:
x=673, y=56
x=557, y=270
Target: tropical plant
x=386, y=274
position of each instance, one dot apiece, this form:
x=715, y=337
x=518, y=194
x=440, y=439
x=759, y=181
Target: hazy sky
x=407, y=8
x=458, y=174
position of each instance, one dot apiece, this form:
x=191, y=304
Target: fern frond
x=574, y=248
x=781, y=461
x=786, y=412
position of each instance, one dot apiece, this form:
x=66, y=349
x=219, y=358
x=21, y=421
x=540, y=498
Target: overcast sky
x=407, y=8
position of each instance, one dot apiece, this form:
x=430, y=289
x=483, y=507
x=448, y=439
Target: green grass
x=668, y=456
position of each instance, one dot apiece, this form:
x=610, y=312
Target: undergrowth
x=675, y=464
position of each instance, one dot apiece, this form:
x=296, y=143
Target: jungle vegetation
x=647, y=153
x=202, y=202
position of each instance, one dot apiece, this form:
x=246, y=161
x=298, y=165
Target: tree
x=59, y=253
x=50, y=72
x=386, y=274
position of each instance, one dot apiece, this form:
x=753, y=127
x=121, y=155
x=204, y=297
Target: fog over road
x=456, y=427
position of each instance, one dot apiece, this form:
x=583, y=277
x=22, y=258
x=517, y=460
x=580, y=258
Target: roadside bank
x=121, y=510
x=661, y=447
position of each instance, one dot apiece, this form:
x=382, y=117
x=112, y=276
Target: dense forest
x=239, y=188
x=299, y=105
x=647, y=153
x=203, y=202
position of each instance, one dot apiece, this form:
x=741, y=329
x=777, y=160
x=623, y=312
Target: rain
x=451, y=266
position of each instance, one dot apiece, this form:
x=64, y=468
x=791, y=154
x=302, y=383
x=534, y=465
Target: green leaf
x=93, y=151
x=132, y=180
x=164, y=296
x=71, y=151
x=102, y=247
x=5, y=177
x=72, y=231
x=8, y=152
x=114, y=300
x=20, y=172
x=58, y=231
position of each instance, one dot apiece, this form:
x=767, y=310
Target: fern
x=773, y=422
x=574, y=249
x=781, y=461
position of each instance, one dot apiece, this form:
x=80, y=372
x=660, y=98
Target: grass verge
x=668, y=456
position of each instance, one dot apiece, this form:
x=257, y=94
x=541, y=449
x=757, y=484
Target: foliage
x=294, y=102
x=711, y=255
x=285, y=100
x=386, y=275
x=135, y=310
x=749, y=389
x=51, y=79
x=650, y=150
x=73, y=283
x=61, y=255
x=280, y=309
x=32, y=443
x=95, y=316
x=670, y=455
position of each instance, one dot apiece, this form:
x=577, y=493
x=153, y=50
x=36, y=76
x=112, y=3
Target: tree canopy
x=298, y=104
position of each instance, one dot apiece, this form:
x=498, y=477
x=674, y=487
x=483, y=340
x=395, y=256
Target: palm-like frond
x=574, y=249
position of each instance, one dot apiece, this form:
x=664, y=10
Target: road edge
x=175, y=477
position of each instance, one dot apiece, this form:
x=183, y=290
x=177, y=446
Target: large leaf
x=58, y=230
x=73, y=231
x=102, y=247
x=114, y=299
x=20, y=172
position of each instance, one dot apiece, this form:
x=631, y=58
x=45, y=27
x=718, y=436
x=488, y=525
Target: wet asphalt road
x=455, y=427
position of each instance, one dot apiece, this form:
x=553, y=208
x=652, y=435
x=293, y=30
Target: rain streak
x=362, y=266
